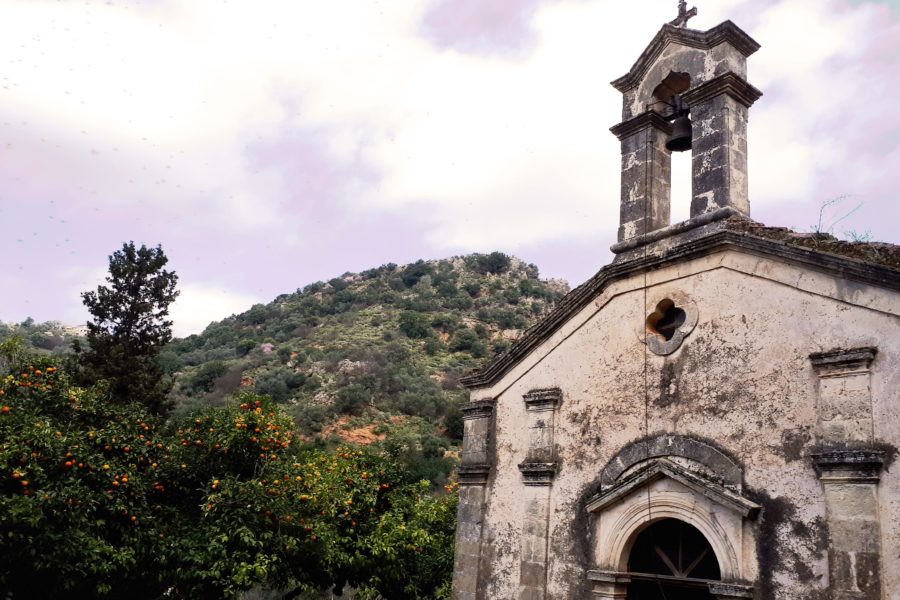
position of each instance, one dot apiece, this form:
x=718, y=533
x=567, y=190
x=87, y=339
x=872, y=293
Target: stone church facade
x=716, y=413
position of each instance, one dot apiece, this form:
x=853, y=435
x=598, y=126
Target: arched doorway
x=671, y=560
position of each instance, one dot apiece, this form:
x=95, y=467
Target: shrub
x=414, y=325
x=494, y=263
x=467, y=340
x=203, y=379
x=416, y=271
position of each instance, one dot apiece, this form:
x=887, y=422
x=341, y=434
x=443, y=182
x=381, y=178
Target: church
x=713, y=415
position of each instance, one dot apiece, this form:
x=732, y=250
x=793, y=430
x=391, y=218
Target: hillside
x=371, y=357
x=50, y=337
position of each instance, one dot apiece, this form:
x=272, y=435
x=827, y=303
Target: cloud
x=266, y=147
x=481, y=26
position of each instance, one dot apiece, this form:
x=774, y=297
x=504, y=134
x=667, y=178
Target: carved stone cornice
x=722, y=590
x=538, y=474
x=609, y=577
x=852, y=359
x=646, y=120
x=480, y=409
x=473, y=474
x=728, y=83
x=542, y=400
x=849, y=466
x=726, y=32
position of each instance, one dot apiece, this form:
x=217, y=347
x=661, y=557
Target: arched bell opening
x=667, y=102
x=671, y=560
x=673, y=85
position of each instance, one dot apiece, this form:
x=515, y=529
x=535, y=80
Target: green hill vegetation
x=371, y=357
x=50, y=337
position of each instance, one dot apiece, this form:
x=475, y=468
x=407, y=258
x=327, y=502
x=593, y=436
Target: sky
x=270, y=144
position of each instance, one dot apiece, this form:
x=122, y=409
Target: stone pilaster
x=850, y=481
x=849, y=469
x=646, y=174
x=844, y=396
x=537, y=474
x=475, y=465
x=719, y=111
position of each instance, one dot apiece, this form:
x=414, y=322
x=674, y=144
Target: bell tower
x=688, y=91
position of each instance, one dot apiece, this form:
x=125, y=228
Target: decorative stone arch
x=666, y=505
x=669, y=477
x=667, y=444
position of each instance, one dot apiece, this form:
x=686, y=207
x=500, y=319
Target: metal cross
x=684, y=15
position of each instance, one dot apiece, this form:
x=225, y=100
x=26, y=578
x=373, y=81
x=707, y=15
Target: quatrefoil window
x=666, y=319
x=673, y=318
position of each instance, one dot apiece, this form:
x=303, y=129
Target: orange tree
x=296, y=520
x=100, y=499
x=75, y=513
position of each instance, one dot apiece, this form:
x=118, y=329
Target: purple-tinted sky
x=267, y=145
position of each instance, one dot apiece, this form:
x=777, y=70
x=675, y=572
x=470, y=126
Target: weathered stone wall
x=742, y=381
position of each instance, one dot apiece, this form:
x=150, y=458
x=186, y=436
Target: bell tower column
x=719, y=110
x=646, y=174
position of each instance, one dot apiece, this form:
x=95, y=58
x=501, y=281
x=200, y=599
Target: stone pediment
x=734, y=234
x=726, y=32
x=662, y=468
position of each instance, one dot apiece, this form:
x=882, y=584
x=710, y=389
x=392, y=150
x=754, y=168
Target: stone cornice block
x=538, y=473
x=609, y=577
x=480, y=409
x=473, y=474
x=720, y=214
x=542, y=400
x=726, y=32
x=728, y=83
x=852, y=359
x=722, y=590
x=849, y=466
x=643, y=121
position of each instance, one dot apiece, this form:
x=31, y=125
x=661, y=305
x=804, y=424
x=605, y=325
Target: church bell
x=682, y=131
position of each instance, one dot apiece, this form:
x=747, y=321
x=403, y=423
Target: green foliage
x=73, y=473
x=453, y=423
x=495, y=263
x=467, y=340
x=244, y=347
x=352, y=399
x=412, y=274
x=102, y=499
x=415, y=325
x=204, y=378
x=129, y=327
